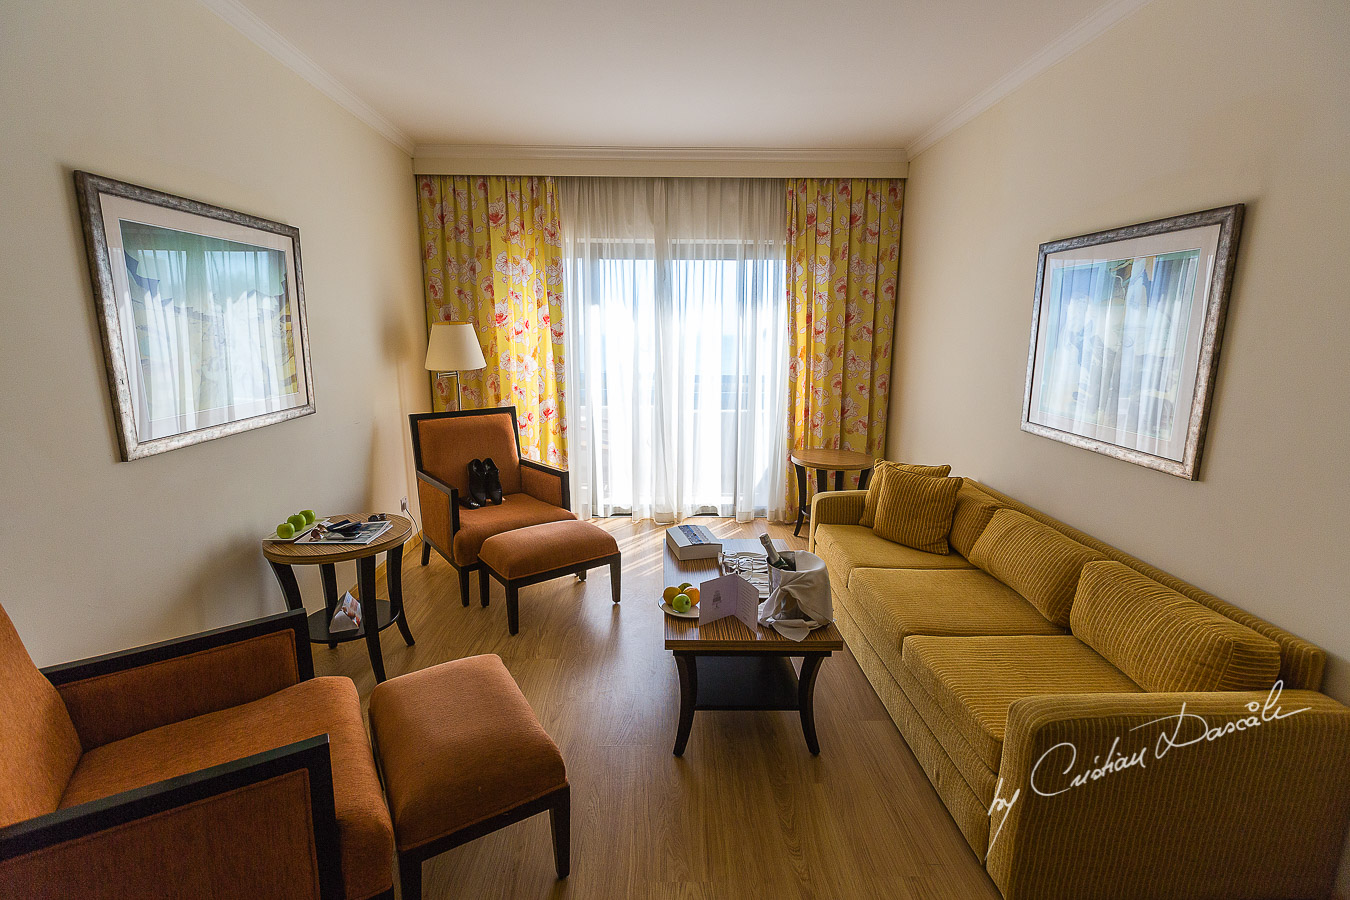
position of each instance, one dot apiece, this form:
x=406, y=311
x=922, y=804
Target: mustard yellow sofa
x=1097, y=727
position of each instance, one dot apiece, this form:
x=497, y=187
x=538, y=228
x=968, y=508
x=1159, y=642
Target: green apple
x=686, y=586
x=310, y=518
x=681, y=603
x=298, y=522
x=285, y=531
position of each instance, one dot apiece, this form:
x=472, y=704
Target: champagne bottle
x=776, y=559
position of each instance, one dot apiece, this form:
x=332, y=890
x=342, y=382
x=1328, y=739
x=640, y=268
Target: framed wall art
x=202, y=313
x=1125, y=334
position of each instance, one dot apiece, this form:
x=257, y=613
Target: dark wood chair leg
x=839, y=481
x=560, y=818
x=426, y=552
x=464, y=587
x=410, y=877
x=801, y=498
x=581, y=575
x=483, y=587
x=512, y=608
x=822, y=481
x=864, y=477
x=614, y=578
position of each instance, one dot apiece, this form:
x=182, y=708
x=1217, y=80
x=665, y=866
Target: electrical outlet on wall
x=403, y=505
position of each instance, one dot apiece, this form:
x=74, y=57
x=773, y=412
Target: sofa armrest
x=546, y=483
x=260, y=826
x=1222, y=794
x=835, y=508
x=115, y=696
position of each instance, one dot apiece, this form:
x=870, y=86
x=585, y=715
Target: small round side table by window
x=824, y=462
x=281, y=557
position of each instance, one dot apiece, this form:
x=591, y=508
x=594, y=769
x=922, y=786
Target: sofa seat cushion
x=515, y=511
x=847, y=547
x=304, y=710
x=960, y=602
x=974, y=680
x=1165, y=641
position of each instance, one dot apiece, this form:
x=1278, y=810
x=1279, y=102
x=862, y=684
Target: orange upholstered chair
x=443, y=445
x=210, y=766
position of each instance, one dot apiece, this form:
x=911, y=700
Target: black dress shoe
x=494, y=481
x=478, y=482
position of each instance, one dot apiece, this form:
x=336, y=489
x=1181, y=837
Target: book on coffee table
x=692, y=542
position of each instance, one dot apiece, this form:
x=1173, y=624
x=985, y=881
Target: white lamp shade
x=453, y=347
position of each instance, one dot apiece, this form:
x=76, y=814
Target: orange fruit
x=693, y=595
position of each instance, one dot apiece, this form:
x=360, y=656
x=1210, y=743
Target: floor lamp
x=452, y=347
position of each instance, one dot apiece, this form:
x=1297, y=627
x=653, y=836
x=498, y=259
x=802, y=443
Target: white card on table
x=730, y=595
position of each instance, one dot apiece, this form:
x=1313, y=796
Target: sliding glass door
x=677, y=333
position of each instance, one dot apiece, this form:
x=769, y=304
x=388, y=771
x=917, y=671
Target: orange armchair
x=443, y=445
x=212, y=765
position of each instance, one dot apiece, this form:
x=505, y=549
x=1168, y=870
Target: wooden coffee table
x=726, y=666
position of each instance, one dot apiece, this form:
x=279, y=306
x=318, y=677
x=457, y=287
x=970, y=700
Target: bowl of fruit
x=294, y=526
x=680, y=600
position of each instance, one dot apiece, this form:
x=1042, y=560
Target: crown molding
x=743, y=162
x=1069, y=42
x=247, y=23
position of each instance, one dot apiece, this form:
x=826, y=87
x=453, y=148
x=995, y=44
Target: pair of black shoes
x=485, y=484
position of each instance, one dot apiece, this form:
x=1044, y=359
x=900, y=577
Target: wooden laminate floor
x=747, y=812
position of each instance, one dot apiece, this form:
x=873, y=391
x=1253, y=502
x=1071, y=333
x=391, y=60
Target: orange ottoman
x=463, y=755
x=542, y=552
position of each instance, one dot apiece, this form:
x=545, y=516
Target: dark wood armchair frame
x=311, y=755
x=453, y=493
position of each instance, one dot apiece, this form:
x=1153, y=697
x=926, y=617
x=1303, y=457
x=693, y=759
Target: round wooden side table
x=326, y=556
x=824, y=462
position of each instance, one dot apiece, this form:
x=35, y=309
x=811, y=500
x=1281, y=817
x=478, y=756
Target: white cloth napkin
x=798, y=601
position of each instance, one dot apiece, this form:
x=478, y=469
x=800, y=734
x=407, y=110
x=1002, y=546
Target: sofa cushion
x=305, y=710
x=916, y=510
x=1033, y=559
x=1164, y=641
x=975, y=679
x=904, y=602
x=974, y=509
x=846, y=547
x=879, y=470
x=515, y=511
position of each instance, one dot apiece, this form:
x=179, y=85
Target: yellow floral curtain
x=842, y=265
x=491, y=255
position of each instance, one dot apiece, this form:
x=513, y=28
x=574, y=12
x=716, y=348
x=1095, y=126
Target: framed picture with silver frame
x=202, y=314
x=1125, y=333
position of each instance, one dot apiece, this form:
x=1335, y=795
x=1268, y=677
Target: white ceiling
x=790, y=74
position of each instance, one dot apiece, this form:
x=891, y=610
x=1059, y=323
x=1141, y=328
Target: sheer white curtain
x=676, y=324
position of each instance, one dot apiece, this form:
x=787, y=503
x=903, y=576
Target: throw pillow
x=1033, y=559
x=973, y=512
x=879, y=470
x=916, y=510
x=1165, y=641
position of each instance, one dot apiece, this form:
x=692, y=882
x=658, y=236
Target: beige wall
x=1187, y=105
x=100, y=554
